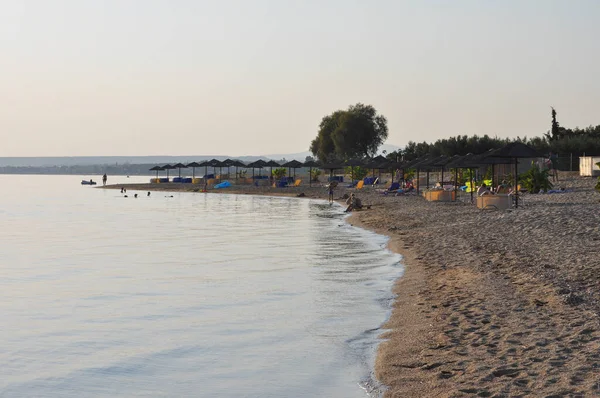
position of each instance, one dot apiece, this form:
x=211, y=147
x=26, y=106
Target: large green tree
x=356, y=132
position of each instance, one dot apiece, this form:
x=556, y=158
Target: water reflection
x=194, y=295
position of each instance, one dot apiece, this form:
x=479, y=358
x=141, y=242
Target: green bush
x=359, y=172
x=315, y=173
x=536, y=180
x=279, y=173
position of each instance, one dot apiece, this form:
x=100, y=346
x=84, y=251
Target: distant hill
x=53, y=162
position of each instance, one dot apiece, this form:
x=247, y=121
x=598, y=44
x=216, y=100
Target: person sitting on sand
x=503, y=187
x=483, y=190
x=353, y=203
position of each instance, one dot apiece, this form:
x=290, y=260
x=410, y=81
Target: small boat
x=86, y=182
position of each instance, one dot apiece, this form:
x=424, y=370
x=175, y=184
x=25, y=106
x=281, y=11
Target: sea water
x=184, y=294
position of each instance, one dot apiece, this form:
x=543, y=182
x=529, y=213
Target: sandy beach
x=492, y=303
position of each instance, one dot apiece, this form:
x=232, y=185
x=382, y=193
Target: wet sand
x=492, y=303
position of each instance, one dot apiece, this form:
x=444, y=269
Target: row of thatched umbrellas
x=508, y=154
x=379, y=163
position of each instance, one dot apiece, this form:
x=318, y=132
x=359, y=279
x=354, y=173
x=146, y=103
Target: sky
x=252, y=77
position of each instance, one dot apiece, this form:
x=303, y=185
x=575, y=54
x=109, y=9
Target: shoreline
x=490, y=303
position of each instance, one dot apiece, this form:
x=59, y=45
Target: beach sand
x=492, y=303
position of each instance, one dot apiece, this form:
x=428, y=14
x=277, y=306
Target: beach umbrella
x=214, y=163
x=378, y=163
x=392, y=166
x=179, y=166
x=236, y=163
x=463, y=162
x=310, y=164
x=516, y=150
x=271, y=164
x=487, y=159
x=433, y=163
x=331, y=167
x=157, y=169
x=258, y=164
x=469, y=161
x=441, y=162
x=205, y=165
x=227, y=163
x=293, y=164
x=417, y=165
x=355, y=162
x=193, y=165
x=168, y=167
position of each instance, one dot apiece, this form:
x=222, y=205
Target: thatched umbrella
x=378, y=163
x=355, y=162
x=461, y=162
x=179, y=166
x=469, y=161
x=271, y=164
x=227, y=163
x=193, y=165
x=168, y=167
x=332, y=167
x=259, y=164
x=441, y=162
x=214, y=163
x=293, y=164
x=487, y=159
x=310, y=164
x=393, y=166
x=157, y=169
x=516, y=151
x=236, y=163
x=204, y=164
x=417, y=164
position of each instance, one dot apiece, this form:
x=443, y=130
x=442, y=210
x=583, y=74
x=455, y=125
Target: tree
x=322, y=146
x=356, y=132
x=557, y=132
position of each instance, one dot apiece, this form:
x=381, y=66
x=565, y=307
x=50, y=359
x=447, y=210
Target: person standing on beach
x=104, y=178
x=331, y=186
x=554, y=166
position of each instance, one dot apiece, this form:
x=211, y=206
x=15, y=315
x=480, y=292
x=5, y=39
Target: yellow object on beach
x=360, y=184
x=297, y=182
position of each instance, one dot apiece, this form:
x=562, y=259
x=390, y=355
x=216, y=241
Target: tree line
x=359, y=131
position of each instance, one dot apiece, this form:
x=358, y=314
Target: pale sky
x=252, y=77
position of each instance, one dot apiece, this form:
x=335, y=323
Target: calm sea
x=194, y=295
